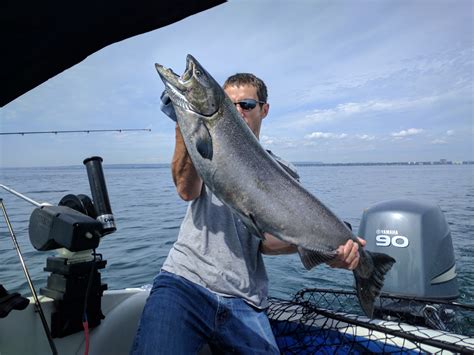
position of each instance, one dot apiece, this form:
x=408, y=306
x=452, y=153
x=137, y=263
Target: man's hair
x=240, y=79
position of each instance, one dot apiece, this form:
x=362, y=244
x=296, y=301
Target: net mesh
x=331, y=321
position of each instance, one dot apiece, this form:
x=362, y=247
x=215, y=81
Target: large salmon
x=245, y=177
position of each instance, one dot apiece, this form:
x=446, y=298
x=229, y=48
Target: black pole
x=99, y=194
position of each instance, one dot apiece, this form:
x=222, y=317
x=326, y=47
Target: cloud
x=282, y=142
x=330, y=135
x=348, y=109
x=407, y=133
x=344, y=110
x=445, y=137
x=365, y=137
x=325, y=135
x=266, y=140
x=314, y=139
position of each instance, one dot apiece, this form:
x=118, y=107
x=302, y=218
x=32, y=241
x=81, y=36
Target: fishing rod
x=27, y=199
x=77, y=131
x=27, y=274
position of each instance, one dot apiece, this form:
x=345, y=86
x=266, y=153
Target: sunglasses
x=248, y=104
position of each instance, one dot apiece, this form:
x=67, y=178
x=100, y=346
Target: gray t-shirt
x=214, y=249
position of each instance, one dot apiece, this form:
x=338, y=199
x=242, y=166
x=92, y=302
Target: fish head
x=195, y=90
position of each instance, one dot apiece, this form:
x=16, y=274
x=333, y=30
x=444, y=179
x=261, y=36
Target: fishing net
x=330, y=321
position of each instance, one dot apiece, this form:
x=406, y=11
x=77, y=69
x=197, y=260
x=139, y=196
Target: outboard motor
x=417, y=236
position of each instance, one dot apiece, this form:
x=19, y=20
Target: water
x=148, y=213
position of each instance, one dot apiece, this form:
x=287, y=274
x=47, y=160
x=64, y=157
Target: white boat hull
x=21, y=332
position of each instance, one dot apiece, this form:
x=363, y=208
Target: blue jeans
x=180, y=317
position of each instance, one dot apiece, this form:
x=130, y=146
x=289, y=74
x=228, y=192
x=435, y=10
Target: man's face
x=253, y=117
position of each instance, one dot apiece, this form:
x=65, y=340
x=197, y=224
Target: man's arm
x=274, y=246
x=186, y=179
x=347, y=254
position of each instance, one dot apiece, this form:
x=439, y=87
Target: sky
x=348, y=81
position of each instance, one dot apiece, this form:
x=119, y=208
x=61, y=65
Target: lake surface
x=148, y=213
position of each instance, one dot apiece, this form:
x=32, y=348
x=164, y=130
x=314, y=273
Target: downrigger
x=75, y=228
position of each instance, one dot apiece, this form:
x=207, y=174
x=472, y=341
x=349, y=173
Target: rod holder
x=99, y=194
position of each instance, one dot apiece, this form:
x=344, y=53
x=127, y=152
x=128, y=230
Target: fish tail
x=369, y=277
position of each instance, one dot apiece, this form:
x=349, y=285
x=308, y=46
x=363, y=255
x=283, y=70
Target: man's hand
x=347, y=255
x=167, y=106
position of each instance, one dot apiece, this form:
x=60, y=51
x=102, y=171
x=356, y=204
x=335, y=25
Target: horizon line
x=297, y=163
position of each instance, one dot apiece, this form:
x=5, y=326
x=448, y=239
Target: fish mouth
x=176, y=86
x=174, y=82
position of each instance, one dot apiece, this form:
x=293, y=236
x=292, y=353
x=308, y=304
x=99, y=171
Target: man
x=213, y=286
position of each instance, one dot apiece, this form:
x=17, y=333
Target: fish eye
x=197, y=72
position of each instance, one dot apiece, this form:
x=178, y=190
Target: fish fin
x=204, y=142
x=368, y=289
x=312, y=258
x=254, y=227
x=251, y=224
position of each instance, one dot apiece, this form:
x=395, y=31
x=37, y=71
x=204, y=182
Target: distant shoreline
x=299, y=164
x=469, y=162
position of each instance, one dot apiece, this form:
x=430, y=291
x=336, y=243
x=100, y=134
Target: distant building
x=443, y=161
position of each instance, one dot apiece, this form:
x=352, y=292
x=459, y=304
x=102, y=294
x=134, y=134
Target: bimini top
x=40, y=39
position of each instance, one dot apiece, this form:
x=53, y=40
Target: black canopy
x=40, y=39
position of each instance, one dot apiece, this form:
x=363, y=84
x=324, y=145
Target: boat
x=300, y=328
x=425, y=320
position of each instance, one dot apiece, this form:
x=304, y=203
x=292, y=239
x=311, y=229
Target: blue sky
x=349, y=81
